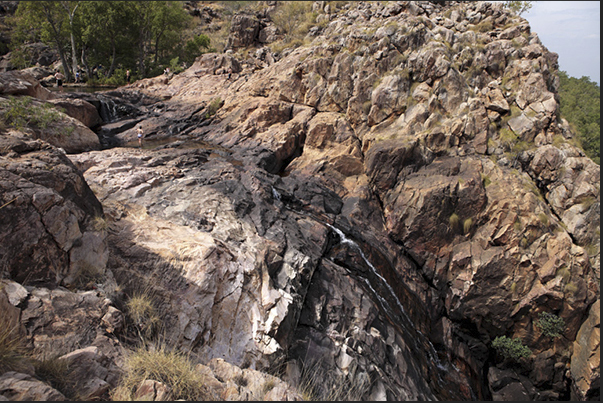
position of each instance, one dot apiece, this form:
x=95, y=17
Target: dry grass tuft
x=13, y=352
x=143, y=314
x=173, y=369
x=319, y=384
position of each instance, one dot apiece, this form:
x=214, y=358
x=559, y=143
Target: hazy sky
x=571, y=29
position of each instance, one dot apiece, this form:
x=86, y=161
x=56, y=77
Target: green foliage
x=294, y=18
x=130, y=35
x=550, y=325
x=580, y=104
x=511, y=348
x=195, y=47
x=519, y=7
x=20, y=112
x=213, y=107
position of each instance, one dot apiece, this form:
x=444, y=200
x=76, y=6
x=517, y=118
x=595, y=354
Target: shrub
x=571, y=288
x=511, y=348
x=172, y=368
x=213, y=107
x=550, y=325
x=294, y=18
x=195, y=47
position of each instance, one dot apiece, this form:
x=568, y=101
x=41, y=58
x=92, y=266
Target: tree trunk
x=64, y=63
x=73, y=55
x=112, y=67
x=85, y=62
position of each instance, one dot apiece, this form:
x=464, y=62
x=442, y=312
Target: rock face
x=376, y=207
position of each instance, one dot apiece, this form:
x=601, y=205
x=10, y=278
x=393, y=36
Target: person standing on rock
x=128, y=76
x=59, y=77
x=139, y=132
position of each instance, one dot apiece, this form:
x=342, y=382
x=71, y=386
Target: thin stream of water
x=406, y=322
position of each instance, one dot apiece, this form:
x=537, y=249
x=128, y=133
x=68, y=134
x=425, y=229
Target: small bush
x=564, y=273
x=213, y=107
x=294, y=18
x=511, y=348
x=571, y=288
x=172, y=368
x=550, y=325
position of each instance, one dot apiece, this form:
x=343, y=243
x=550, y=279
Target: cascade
x=394, y=310
x=108, y=109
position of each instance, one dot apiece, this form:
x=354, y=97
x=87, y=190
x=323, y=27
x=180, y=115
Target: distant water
x=82, y=88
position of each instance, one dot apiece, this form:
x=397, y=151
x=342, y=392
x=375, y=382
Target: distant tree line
x=580, y=104
x=104, y=38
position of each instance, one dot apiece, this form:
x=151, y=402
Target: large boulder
x=22, y=83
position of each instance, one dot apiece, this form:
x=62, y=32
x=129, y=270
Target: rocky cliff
x=377, y=205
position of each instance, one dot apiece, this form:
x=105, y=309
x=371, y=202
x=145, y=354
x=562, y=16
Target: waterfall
x=108, y=109
x=421, y=342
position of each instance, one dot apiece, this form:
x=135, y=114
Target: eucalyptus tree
x=70, y=8
x=51, y=21
x=107, y=33
x=169, y=23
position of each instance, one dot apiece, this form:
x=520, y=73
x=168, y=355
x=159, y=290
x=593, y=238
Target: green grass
x=21, y=112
